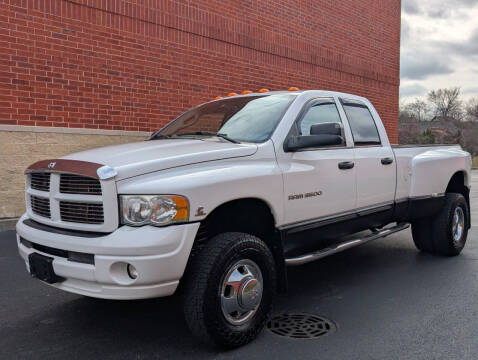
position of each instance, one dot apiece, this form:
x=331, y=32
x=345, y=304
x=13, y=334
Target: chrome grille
x=72, y=201
x=40, y=206
x=77, y=184
x=40, y=181
x=81, y=212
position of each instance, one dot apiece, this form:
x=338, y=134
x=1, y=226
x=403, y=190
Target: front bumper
x=159, y=254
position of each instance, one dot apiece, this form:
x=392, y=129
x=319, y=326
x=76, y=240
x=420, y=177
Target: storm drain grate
x=300, y=325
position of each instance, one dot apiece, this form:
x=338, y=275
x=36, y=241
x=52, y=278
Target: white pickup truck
x=220, y=201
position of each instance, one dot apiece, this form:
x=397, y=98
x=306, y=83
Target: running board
x=303, y=259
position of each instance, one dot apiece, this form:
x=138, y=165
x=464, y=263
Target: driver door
x=319, y=183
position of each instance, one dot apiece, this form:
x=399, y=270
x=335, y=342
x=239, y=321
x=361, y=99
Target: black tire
x=204, y=283
x=443, y=239
x=422, y=235
x=435, y=234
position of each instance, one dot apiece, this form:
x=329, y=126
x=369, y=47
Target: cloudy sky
x=439, y=46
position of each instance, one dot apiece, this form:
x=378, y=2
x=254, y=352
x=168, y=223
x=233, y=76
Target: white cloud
x=420, y=66
x=413, y=90
x=437, y=9
x=410, y=7
x=439, y=46
x=471, y=90
x=468, y=47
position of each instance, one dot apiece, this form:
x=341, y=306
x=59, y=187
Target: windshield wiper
x=210, y=133
x=160, y=137
x=224, y=136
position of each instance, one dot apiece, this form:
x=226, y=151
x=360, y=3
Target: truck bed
x=406, y=146
x=418, y=165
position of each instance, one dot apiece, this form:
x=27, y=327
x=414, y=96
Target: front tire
x=229, y=290
x=445, y=233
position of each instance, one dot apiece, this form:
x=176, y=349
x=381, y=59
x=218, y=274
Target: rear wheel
x=229, y=290
x=422, y=235
x=446, y=232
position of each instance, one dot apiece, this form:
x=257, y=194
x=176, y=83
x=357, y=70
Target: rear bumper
x=159, y=255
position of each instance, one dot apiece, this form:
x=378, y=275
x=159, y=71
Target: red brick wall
x=134, y=65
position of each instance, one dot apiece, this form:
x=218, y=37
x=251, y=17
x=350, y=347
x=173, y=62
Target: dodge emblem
x=51, y=165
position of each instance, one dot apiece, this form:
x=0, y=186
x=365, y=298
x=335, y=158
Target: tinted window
x=364, y=130
x=257, y=119
x=242, y=118
x=319, y=113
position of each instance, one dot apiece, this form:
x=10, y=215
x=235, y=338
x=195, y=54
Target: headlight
x=156, y=210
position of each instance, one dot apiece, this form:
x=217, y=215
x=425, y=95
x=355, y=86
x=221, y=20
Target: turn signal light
x=232, y=94
x=293, y=88
x=262, y=90
x=245, y=92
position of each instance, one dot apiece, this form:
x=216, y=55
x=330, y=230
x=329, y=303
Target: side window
x=362, y=124
x=319, y=112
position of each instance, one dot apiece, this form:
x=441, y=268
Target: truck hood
x=148, y=156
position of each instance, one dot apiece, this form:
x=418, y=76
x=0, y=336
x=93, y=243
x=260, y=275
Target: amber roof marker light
x=263, y=90
x=218, y=98
x=293, y=88
x=245, y=92
x=231, y=94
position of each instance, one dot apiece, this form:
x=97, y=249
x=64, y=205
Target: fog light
x=132, y=272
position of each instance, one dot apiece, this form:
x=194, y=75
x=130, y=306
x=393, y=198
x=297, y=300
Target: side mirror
x=329, y=128
x=294, y=143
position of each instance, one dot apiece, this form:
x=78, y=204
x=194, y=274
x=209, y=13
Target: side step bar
x=303, y=259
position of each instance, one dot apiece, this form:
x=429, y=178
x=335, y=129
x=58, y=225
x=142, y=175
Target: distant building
x=80, y=74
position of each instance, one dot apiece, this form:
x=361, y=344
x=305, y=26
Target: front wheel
x=229, y=289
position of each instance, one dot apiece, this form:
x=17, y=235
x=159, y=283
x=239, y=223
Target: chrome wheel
x=458, y=224
x=241, y=292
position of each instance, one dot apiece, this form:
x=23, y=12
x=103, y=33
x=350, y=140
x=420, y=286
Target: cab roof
x=325, y=93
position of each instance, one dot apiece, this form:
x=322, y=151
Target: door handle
x=346, y=165
x=386, y=161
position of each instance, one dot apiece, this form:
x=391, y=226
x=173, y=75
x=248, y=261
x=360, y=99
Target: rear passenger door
x=375, y=169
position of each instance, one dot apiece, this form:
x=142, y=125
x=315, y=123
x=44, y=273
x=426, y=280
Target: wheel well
x=252, y=216
x=249, y=215
x=457, y=185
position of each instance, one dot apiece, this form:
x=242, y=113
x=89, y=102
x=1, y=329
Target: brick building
x=76, y=74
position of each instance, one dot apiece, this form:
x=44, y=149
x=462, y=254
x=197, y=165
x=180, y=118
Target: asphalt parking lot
x=387, y=300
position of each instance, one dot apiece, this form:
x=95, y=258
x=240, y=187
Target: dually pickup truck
x=217, y=204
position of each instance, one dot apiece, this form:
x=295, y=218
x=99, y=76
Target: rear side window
x=364, y=130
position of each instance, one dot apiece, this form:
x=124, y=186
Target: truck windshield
x=242, y=118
